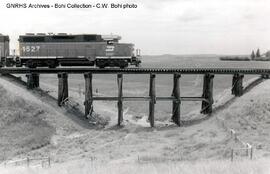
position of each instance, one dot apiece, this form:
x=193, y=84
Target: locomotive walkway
x=32, y=75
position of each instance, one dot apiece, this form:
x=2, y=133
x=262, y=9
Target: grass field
x=261, y=166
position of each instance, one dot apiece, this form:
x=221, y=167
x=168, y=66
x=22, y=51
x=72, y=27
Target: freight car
x=4, y=48
x=52, y=50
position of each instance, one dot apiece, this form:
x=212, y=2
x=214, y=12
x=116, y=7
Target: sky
x=155, y=26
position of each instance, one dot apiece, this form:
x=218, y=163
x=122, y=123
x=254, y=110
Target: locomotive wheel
x=31, y=64
x=51, y=64
x=123, y=64
x=18, y=64
x=100, y=64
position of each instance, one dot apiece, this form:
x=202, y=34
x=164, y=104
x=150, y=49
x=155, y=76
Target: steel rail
x=135, y=70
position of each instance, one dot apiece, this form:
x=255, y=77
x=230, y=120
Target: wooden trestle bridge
x=176, y=98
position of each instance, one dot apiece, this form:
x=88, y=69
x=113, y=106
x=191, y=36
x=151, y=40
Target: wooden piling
x=120, y=99
x=29, y=82
x=36, y=80
x=207, y=94
x=32, y=80
x=88, y=103
x=176, y=103
x=237, y=85
x=240, y=87
x=234, y=84
x=62, y=88
x=152, y=102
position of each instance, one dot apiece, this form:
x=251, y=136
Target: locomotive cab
x=115, y=54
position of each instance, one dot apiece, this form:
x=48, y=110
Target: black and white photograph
x=134, y=87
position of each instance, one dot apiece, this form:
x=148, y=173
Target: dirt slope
x=27, y=123
x=249, y=115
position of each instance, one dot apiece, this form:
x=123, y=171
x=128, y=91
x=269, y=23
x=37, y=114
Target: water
x=138, y=85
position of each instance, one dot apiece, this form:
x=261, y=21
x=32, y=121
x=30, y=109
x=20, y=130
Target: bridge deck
x=135, y=70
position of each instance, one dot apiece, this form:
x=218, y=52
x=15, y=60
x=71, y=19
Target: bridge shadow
x=248, y=88
x=73, y=113
x=253, y=84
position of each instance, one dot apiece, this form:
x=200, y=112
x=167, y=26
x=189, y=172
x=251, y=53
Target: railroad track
x=136, y=70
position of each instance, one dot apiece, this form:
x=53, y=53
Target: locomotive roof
x=61, y=38
x=4, y=38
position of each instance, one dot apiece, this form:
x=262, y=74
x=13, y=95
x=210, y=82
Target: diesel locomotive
x=52, y=50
